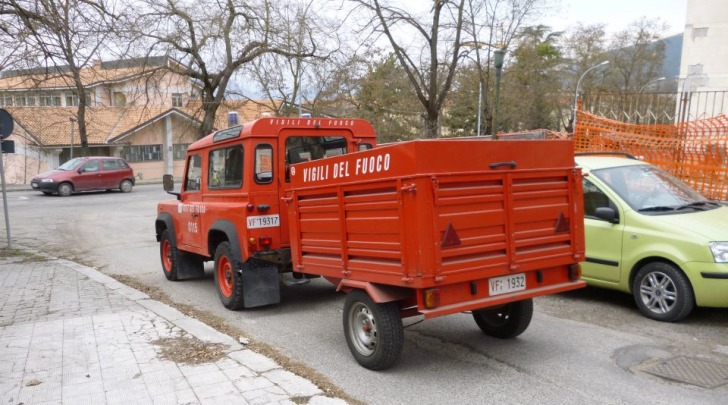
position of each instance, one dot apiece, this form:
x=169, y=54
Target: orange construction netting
x=693, y=151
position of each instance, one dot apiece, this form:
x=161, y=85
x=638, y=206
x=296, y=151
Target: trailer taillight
x=574, y=272
x=265, y=241
x=432, y=298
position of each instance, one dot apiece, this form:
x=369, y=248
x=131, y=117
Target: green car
x=651, y=235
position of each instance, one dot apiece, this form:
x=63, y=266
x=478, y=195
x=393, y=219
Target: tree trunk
x=432, y=125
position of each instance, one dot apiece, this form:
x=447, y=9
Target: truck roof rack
x=623, y=154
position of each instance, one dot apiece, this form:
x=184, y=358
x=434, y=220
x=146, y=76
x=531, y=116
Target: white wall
x=704, y=64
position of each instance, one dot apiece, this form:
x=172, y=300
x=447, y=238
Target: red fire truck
x=422, y=228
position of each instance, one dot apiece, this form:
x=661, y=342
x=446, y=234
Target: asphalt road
x=587, y=346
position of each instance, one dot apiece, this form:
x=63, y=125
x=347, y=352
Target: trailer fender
x=379, y=293
x=165, y=221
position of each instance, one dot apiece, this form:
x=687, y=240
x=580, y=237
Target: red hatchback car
x=86, y=174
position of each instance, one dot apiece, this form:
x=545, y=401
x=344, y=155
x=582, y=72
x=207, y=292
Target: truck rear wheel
x=374, y=332
x=170, y=257
x=227, y=279
x=505, y=321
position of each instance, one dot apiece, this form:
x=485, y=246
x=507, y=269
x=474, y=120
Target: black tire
x=505, y=321
x=65, y=189
x=170, y=257
x=228, y=281
x=126, y=186
x=374, y=332
x=662, y=292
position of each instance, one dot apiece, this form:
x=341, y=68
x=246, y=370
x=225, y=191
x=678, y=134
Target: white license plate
x=506, y=284
x=263, y=221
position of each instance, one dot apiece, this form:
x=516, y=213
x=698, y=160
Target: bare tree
x=289, y=82
x=494, y=24
x=428, y=49
x=213, y=40
x=637, y=54
x=68, y=33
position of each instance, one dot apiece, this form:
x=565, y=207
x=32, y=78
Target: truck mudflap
x=260, y=284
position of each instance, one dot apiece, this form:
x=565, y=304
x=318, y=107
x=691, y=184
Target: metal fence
x=695, y=151
x=657, y=108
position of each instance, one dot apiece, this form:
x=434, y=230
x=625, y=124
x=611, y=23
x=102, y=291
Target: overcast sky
x=617, y=14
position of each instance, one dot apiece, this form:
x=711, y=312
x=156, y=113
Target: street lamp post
x=72, y=120
x=498, y=57
x=659, y=79
x=576, y=93
x=480, y=101
x=479, y=45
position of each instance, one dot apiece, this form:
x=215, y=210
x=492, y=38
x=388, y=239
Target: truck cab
x=229, y=207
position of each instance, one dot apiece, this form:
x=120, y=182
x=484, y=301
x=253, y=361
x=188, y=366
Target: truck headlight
x=46, y=181
x=720, y=251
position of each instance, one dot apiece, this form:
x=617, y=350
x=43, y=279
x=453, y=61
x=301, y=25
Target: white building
x=704, y=63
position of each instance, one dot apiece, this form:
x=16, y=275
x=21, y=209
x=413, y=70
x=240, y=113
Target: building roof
x=53, y=77
x=51, y=126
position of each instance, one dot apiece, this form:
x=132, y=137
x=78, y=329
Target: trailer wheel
x=169, y=256
x=505, y=321
x=374, y=332
x=229, y=283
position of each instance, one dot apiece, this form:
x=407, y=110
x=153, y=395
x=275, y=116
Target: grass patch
x=22, y=256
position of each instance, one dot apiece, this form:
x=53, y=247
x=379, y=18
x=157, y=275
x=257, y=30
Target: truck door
x=190, y=207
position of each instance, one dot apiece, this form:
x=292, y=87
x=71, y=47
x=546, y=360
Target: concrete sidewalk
x=70, y=334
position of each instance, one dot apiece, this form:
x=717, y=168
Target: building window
x=119, y=100
x=71, y=100
x=142, y=153
x=50, y=100
x=176, y=99
x=179, y=151
x=6, y=100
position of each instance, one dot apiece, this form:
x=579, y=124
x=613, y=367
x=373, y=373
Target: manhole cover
x=703, y=373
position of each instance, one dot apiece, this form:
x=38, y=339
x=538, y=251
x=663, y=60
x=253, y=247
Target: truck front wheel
x=505, y=321
x=170, y=257
x=374, y=332
x=227, y=279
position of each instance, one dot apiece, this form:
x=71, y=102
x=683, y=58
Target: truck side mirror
x=168, y=182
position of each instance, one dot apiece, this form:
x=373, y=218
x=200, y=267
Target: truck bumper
x=500, y=299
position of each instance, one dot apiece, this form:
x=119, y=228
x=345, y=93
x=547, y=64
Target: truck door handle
x=263, y=207
x=496, y=165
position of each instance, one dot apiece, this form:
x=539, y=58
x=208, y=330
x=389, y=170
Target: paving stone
x=291, y=383
x=254, y=361
x=69, y=334
x=321, y=400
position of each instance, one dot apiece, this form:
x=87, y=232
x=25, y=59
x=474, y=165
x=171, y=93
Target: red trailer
x=421, y=228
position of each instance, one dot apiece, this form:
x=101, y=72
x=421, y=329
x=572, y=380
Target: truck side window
x=226, y=168
x=595, y=198
x=194, y=173
x=263, y=164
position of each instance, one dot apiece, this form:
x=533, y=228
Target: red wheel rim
x=167, y=256
x=225, y=276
